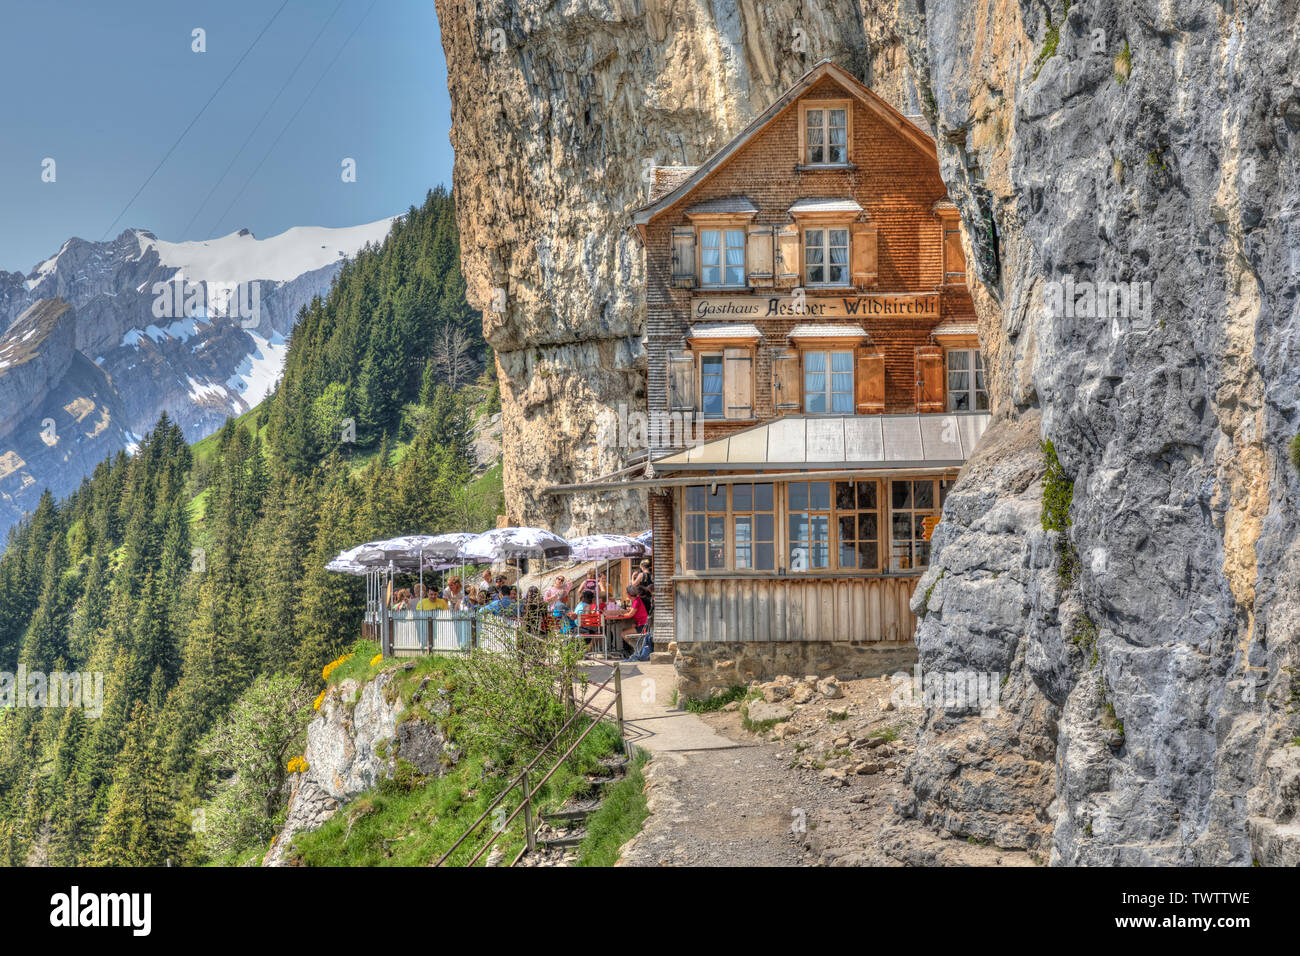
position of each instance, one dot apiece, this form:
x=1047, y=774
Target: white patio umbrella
x=501, y=544
x=646, y=538
x=604, y=547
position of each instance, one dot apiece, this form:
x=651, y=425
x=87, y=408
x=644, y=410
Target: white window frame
x=829, y=392
x=823, y=128
x=825, y=247
x=723, y=233
x=974, y=371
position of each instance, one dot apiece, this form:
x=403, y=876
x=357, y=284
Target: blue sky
x=105, y=87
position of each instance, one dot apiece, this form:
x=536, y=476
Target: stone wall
x=707, y=668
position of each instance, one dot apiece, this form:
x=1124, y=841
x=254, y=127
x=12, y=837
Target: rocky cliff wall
x=558, y=112
x=353, y=744
x=1127, y=142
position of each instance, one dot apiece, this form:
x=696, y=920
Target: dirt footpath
x=815, y=787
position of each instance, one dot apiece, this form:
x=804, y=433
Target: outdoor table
x=615, y=623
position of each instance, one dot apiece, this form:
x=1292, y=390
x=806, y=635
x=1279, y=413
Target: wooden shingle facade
x=808, y=316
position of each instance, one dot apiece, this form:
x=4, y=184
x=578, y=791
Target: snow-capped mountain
x=196, y=329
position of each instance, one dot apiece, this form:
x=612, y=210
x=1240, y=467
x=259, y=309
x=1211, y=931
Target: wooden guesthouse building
x=808, y=312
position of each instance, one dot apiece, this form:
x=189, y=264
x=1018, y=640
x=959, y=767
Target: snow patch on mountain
x=240, y=257
x=257, y=374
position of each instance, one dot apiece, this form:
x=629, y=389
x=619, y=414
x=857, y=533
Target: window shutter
x=954, y=257
x=787, y=381
x=870, y=382
x=929, y=379
x=738, y=383
x=681, y=381
x=684, y=258
x=787, y=243
x=864, y=253
x=758, y=255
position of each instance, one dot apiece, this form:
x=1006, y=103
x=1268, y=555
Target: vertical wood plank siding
x=789, y=609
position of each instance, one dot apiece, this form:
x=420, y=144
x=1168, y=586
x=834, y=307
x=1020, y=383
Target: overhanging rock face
x=560, y=113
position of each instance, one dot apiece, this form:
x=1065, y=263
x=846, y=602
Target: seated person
x=561, y=610
x=589, y=621
x=502, y=605
x=557, y=591
x=422, y=601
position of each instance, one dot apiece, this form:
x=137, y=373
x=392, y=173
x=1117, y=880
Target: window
x=711, y=377
x=826, y=256
x=826, y=136
x=753, y=523
x=810, y=525
x=914, y=510
x=966, y=391
x=751, y=519
x=722, y=257
x=857, y=515
x=828, y=390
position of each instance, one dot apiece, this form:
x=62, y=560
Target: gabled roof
x=796, y=442
x=910, y=132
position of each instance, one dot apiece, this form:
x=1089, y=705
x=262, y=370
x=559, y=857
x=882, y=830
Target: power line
x=253, y=131
x=185, y=132
x=306, y=99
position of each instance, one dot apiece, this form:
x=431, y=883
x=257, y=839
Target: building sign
x=750, y=307
x=928, y=524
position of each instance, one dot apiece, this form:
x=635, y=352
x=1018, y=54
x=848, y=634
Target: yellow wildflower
x=375, y=661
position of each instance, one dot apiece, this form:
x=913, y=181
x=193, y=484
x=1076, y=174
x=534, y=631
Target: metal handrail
x=617, y=678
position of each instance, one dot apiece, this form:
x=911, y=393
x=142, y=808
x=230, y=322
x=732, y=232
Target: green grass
x=619, y=818
x=710, y=704
x=408, y=821
x=1050, y=41
x=887, y=733
x=205, y=448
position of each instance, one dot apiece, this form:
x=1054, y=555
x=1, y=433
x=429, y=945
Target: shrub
x=250, y=748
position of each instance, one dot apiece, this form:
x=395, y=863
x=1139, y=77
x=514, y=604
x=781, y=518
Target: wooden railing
x=529, y=789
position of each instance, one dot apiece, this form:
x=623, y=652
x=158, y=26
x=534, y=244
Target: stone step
x=559, y=842
x=663, y=657
x=567, y=816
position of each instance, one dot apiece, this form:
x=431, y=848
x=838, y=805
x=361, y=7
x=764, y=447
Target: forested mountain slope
x=182, y=575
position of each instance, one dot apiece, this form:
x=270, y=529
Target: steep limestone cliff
x=558, y=112
x=1150, y=694
x=1151, y=143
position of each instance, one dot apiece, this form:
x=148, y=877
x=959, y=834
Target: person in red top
x=641, y=617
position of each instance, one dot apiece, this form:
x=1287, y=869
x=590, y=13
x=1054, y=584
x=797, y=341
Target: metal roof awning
x=797, y=442
x=815, y=207
x=743, y=331
x=827, y=330
x=727, y=205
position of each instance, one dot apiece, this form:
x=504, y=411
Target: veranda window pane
x=798, y=495
x=819, y=495
x=901, y=494
x=695, y=498
x=763, y=497
x=866, y=494
x=924, y=494
x=844, y=495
